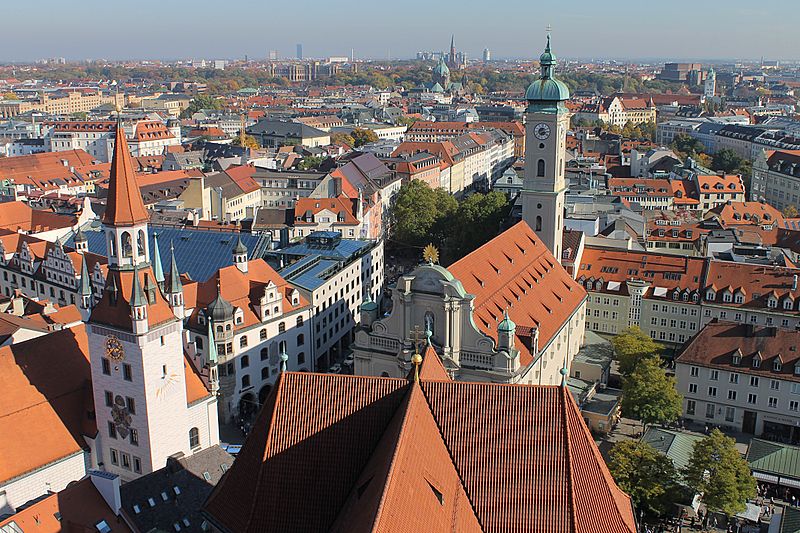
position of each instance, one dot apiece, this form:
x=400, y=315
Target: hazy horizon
x=681, y=30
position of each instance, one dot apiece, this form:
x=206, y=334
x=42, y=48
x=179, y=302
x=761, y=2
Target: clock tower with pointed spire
x=149, y=402
x=546, y=124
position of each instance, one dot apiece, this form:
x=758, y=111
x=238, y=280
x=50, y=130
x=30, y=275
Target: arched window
x=301, y=358
x=299, y=321
x=282, y=347
x=384, y=374
x=243, y=342
x=194, y=438
x=264, y=354
x=127, y=247
x=198, y=341
x=141, y=243
x=538, y=223
x=219, y=329
x=112, y=245
x=262, y=335
x=265, y=373
x=540, y=168
x=281, y=327
x=245, y=361
x=227, y=327
x=301, y=339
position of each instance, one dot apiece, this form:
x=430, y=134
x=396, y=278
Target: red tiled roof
x=718, y=341
x=516, y=271
x=352, y=453
x=337, y=206
x=119, y=313
x=79, y=507
x=16, y=216
x=46, y=400
x=124, y=205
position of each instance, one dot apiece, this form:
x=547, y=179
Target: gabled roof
x=383, y=454
x=117, y=312
x=79, y=507
x=44, y=410
x=124, y=205
x=516, y=271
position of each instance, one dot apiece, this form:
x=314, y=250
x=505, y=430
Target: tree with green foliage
x=790, y=211
x=419, y=212
x=310, y=162
x=632, y=346
x=476, y=221
x=248, y=142
x=729, y=162
x=342, y=138
x=202, y=101
x=719, y=473
x=649, y=395
x=645, y=474
x=362, y=136
x=404, y=120
x=687, y=146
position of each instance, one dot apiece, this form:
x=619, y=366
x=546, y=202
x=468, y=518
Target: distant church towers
x=546, y=124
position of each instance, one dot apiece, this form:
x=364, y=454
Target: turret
x=506, y=332
x=369, y=311
x=240, y=254
x=174, y=287
x=81, y=244
x=138, y=305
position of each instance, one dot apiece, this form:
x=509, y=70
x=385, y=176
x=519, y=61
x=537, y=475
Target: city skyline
x=165, y=31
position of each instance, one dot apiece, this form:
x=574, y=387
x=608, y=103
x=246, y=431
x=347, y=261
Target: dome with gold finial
x=547, y=88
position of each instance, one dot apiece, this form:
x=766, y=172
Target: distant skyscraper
x=710, y=88
x=487, y=54
x=299, y=51
x=273, y=55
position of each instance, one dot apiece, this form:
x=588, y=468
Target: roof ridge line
x=395, y=453
x=278, y=389
x=449, y=452
x=571, y=484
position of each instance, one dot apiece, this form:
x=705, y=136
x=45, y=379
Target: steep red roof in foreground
x=355, y=453
x=124, y=204
x=516, y=271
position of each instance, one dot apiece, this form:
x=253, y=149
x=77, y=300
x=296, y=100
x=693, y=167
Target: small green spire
x=137, y=295
x=212, y=344
x=564, y=373
x=175, y=286
x=158, y=269
x=240, y=248
x=86, y=281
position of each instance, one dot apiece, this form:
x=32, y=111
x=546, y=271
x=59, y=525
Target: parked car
x=335, y=369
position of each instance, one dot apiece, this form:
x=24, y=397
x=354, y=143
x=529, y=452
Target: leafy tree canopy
x=362, y=136
x=718, y=472
x=648, y=476
x=633, y=345
x=649, y=395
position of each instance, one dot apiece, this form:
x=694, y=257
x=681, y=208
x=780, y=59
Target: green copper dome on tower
x=506, y=324
x=547, y=88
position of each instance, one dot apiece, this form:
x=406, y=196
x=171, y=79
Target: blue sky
x=173, y=29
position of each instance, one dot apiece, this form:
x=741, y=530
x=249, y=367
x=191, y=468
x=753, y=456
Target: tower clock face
x=542, y=131
x=114, y=349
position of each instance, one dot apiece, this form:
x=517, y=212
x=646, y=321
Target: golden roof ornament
x=430, y=254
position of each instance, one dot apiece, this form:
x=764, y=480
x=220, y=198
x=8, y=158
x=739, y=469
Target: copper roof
x=124, y=205
x=354, y=453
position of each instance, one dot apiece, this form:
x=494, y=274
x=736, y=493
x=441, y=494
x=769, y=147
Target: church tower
x=546, y=124
x=136, y=344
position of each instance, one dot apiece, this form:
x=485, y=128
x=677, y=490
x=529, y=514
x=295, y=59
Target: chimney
x=750, y=330
x=107, y=484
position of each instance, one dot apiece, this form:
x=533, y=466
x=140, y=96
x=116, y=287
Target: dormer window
x=772, y=303
x=727, y=297
x=737, y=358
x=711, y=295
x=777, y=366
x=739, y=298
x=757, y=361
x=797, y=369
x=787, y=303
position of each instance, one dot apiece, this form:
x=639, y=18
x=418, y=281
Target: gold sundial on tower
x=430, y=254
